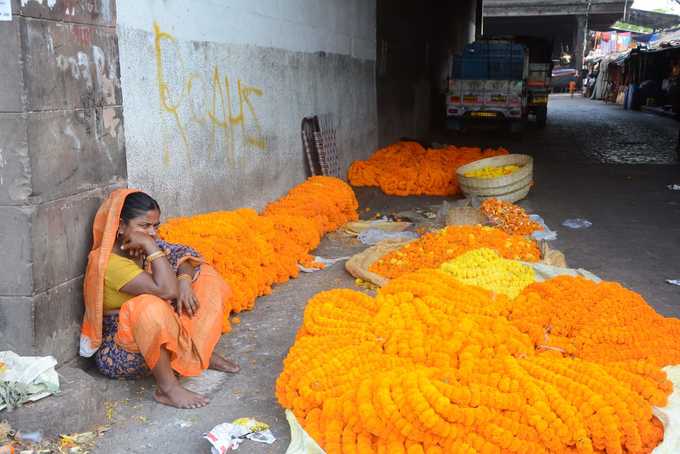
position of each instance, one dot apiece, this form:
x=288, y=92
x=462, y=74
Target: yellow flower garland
x=485, y=268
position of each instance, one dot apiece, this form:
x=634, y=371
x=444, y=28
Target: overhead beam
x=519, y=8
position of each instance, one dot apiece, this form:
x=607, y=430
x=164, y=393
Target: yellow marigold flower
x=485, y=268
x=492, y=172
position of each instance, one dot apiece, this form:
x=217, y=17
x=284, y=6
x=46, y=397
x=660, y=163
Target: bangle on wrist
x=154, y=256
x=185, y=277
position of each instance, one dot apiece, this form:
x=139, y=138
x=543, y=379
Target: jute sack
x=466, y=216
x=358, y=266
x=552, y=257
x=356, y=227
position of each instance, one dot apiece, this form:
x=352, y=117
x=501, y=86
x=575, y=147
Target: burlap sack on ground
x=466, y=216
x=358, y=266
x=356, y=227
x=552, y=257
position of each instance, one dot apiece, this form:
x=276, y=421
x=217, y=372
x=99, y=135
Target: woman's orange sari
x=147, y=323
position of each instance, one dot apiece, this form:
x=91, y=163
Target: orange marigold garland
x=509, y=217
x=406, y=168
x=602, y=322
x=432, y=366
x=328, y=201
x=435, y=248
x=253, y=252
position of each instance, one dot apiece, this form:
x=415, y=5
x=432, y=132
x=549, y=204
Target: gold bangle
x=185, y=277
x=154, y=256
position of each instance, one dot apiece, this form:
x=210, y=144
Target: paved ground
x=635, y=238
x=581, y=130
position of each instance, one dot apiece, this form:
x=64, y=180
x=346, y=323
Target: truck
x=502, y=80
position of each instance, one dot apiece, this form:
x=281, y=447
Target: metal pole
x=479, y=19
x=625, y=9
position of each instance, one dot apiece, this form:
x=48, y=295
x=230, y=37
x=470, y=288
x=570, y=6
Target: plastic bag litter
x=323, y=260
x=546, y=234
x=26, y=379
x=226, y=436
x=374, y=236
x=577, y=223
x=674, y=187
x=673, y=281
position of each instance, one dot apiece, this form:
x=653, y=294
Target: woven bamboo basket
x=511, y=188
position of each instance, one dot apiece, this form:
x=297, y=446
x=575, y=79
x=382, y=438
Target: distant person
x=151, y=307
x=572, y=87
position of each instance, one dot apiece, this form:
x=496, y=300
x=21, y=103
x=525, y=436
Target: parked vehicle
x=496, y=80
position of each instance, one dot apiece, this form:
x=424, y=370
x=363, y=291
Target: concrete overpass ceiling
x=558, y=29
x=514, y=8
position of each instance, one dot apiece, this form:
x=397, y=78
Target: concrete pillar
x=579, y=41
x=61, y=150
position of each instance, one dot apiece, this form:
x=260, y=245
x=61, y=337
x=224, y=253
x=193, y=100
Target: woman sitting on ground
x=150, y=307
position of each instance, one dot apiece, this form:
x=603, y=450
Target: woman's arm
x=178, y=254
x=186, y=300
x=162, y=282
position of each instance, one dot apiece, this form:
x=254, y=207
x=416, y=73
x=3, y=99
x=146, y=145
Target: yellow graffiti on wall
x=219, y=117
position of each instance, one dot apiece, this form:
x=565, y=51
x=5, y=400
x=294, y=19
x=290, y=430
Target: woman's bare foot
x=222, y=364
x=180, y=397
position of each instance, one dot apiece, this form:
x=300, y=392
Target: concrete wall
x=215, y=93
x=61, y=150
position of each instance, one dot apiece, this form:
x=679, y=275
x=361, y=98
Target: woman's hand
x=138, y=244
x=186, y=299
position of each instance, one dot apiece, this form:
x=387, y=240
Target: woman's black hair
x=138, y=204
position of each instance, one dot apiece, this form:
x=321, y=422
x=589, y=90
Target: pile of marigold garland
x=432, y=365
x=406, y=168
x=509, y=217
x=435, y=248
x=253, y=252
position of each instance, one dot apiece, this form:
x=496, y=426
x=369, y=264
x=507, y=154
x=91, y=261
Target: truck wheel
x=541, y=117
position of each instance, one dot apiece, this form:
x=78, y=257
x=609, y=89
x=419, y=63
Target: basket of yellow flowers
x=506, y=177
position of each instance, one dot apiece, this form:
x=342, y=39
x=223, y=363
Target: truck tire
x=541, y=117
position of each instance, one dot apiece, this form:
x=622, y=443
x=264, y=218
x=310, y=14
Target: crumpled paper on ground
x=226, y=436
x=26, y=379
x=670, y=415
